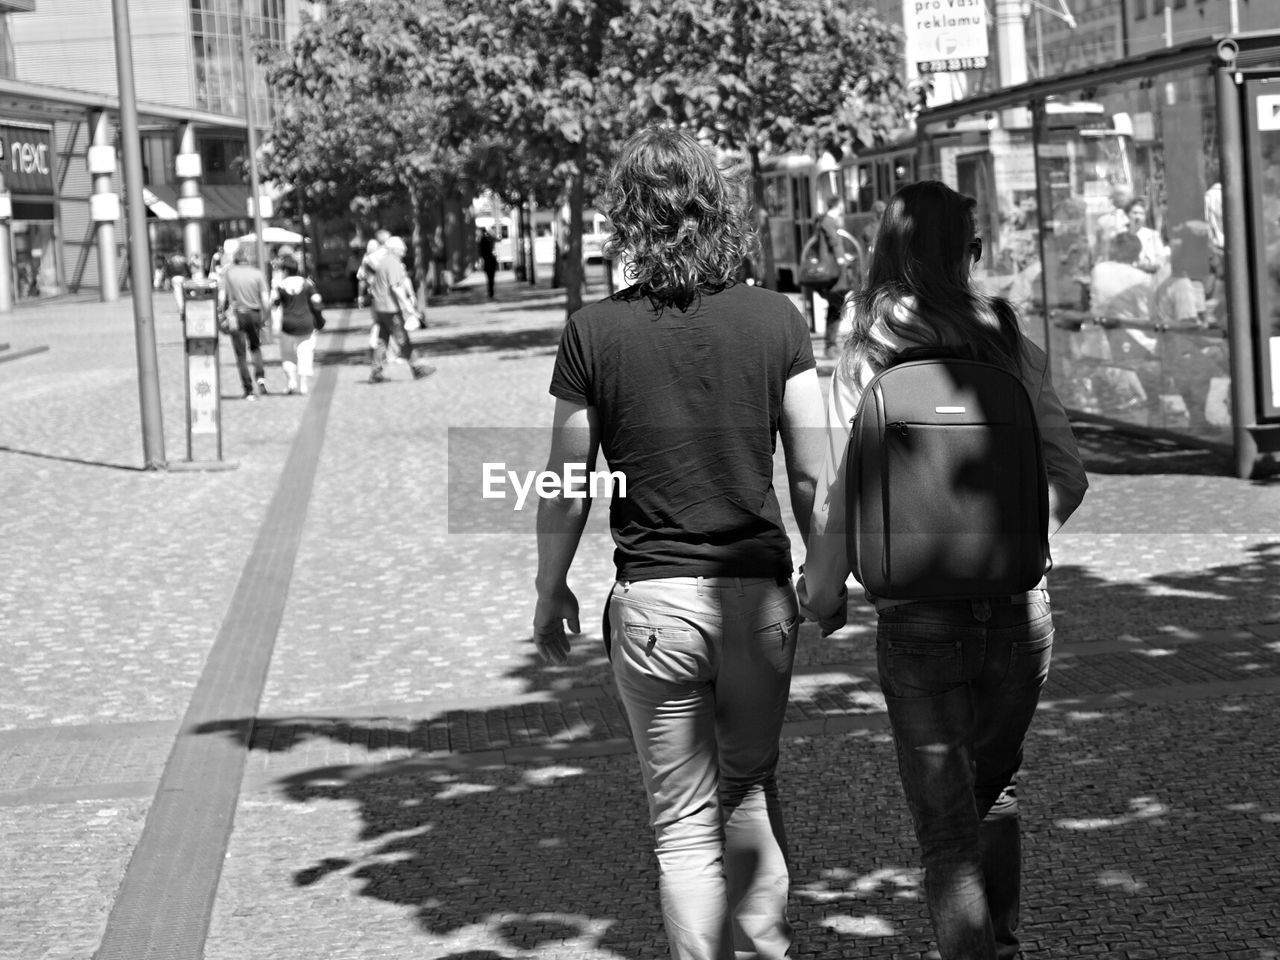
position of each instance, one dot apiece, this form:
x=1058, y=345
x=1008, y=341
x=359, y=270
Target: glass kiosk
x=1132, y=213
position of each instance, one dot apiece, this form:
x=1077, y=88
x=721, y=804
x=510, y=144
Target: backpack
x=947, y=496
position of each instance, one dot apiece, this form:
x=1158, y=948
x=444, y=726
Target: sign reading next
x=26, y=159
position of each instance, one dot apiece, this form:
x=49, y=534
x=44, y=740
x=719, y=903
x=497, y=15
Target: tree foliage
x=542, y=72
x=532, y=98
x=367, y=102
x=761, y=76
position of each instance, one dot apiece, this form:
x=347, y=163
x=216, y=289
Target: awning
x=225, y=202
x=162, y=209
x=221, y=201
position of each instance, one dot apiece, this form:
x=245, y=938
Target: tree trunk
x=420, y=251
x=517, y=242
x=770, y=278
x=440, y=263
x=573, y=256
x=528, y=240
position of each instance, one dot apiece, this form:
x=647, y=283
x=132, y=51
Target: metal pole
x=139, y=253
x=105, y=230
x=1011, y=43
x=1244, y=396
x=254, y=186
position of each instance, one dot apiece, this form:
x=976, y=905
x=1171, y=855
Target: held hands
x=549, y=618
x=830, y=622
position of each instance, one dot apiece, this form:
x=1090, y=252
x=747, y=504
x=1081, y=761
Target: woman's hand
x=828, y=622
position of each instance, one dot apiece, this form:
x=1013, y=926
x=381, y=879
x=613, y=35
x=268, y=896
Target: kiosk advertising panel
x=1262, y=119
x=946, y=36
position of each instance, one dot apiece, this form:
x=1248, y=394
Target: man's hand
x=549, y=618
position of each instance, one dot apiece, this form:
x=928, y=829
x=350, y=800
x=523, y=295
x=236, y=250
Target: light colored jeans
x=703, y=666
x=297, y=357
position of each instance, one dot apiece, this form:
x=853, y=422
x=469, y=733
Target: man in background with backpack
x=954, y=418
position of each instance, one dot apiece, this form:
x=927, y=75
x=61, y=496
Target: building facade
x=189, y=76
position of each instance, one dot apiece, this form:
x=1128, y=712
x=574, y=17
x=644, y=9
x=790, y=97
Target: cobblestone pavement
x=414, y=783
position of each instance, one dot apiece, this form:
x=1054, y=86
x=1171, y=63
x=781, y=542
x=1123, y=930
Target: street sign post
x=202, y=377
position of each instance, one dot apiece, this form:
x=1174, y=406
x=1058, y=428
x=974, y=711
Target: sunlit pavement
x=290, y=710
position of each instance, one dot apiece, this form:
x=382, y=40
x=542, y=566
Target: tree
x=368, y=102
x=756, y=76
x=545, y=77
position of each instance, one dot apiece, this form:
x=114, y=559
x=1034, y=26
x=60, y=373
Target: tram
x=794, y=185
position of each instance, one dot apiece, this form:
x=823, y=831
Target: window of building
x=216, y=41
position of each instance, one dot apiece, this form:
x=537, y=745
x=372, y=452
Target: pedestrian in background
x=244, y=298
x=298, y=306
x=486, y=242
x=831, y=224
x=364, y=273
x=177, y=268
x=374, y=250
x=391, y=295
x=684, y=381
x=961, y=678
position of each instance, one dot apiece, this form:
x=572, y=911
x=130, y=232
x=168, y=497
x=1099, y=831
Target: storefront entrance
x=27, y=161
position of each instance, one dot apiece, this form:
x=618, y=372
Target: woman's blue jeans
x=961, y=681
x=703, y=666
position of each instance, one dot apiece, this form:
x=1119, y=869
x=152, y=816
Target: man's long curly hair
x=679, y=218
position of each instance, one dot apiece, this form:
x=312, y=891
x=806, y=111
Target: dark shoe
x=422, y=371
x=376, y=377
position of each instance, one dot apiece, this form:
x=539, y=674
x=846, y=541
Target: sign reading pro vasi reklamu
x=946, y=35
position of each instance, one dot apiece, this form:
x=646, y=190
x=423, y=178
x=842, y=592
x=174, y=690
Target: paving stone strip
x=163, y=906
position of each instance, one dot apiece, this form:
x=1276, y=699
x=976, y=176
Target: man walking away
x=391, y=295
x=488, y=258
x=244, y=298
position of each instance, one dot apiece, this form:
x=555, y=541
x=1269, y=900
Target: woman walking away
x=684, y=381
x=297, y=307
x=961, y=678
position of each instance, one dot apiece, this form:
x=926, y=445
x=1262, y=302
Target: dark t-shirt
x=294, y=296
x=689, y=404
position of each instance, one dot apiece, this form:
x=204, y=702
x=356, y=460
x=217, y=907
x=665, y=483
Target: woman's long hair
x=919, y=288
x=678, y=217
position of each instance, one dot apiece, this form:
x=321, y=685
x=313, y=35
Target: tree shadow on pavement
x=522, y=857
x=1108, y=449
x=1089, y=607
x=1124, y=799
x=521, y=342
x=475, y=341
